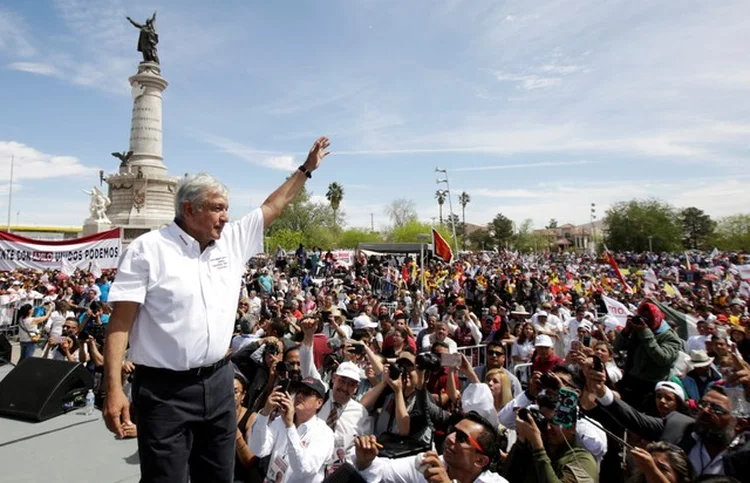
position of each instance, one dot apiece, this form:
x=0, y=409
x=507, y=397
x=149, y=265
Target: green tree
x=414, y=231
x=352, y=237
x=481, y=239
x=697, y=227
x=440, y=197
x=525, y=239
x=733, y=233
x=401, y=211
x=501, y=228
x=552, y=224
x=334, y=195
x=633, y=224
x=463, y=200
x=302, y=214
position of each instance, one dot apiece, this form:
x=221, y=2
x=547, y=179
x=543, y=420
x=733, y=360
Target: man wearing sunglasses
x=496, y=358
x=708, y=439
x=470, y=448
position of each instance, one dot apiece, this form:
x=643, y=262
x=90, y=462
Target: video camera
x=428, y=362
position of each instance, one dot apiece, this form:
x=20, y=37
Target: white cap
x=349, y=370
x=363, y=322
x=585, y=325
x=543, y=341
x=542, y=313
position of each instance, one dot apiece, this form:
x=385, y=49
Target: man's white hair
x=195, y=188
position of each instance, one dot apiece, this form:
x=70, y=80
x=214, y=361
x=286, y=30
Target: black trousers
x=186, y=426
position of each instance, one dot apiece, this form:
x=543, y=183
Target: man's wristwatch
x=305, y=171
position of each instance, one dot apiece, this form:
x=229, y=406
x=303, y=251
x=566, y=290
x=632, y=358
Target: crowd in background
x=502, y=366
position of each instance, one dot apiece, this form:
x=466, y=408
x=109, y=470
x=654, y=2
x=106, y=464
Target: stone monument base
x=92, y=227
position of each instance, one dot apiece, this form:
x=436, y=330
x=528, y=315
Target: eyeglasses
x=713, y=407
x=496, y=353
x=464, y=438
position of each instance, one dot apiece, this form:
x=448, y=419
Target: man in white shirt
x=698, y=342
x=175, y=300
x=345, y=416
x=298, y=441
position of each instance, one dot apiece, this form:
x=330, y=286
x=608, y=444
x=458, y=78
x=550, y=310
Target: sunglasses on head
x=713, y=407
x=464, y=438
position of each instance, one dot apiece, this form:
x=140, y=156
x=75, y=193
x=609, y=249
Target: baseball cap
x=349, y=370
x=543, y=341
x=364, y=322
x=314, y=385
x=406, y=356
x=542, y=313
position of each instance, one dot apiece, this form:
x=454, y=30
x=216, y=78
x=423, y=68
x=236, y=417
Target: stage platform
x=72, y=448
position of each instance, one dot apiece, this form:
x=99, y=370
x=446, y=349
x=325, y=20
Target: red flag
x=613, y=264
x=405, y=272
x=440, y=247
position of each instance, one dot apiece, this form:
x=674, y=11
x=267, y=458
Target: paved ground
x=72, y=448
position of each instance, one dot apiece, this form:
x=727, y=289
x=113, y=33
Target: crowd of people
x=494, y=367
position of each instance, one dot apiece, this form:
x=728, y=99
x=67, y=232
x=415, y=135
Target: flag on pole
x=686, y=324
x=440, y=247
x=95, y=269
x=687, y=262
x=66, y=267
x=618, y=273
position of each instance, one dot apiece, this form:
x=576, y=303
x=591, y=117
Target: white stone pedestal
x=92, y=227
x=142, y=193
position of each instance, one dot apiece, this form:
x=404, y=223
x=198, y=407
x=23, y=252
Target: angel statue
x=148, y=39
x=98, y=205
x=124, y=158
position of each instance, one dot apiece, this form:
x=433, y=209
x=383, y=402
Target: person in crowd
x=702, y=376
x=722, y=358
x=29, y=333
x=244, y=458
x=670, y=397
x=501, y=387
x=298, y=442
x=544, y=355
x=469, y=452
x=698, y=342
x=603, y=351
x=441, y=335
x=652, y=347
x=443, y=385
x=523, y=348
x=496, y=359
x=346, y=417
x=661, y=462
x=54, y=325
x=423, y=338
x=708, y=439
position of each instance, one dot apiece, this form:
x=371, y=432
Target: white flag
x=67, y=267
x=650, y=276
x=744, y=271
x=616, y=309
x=95, y=269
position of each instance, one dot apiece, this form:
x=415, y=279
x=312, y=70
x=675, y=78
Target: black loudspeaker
x=40, y=389
x=6, y=350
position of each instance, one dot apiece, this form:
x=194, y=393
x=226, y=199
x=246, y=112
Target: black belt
x=196, y=373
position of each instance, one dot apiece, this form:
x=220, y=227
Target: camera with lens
x=549, y=382
x=83, y=336
x=532, y=412
x=282, y=368
x=428, y=362
x=394, y=371
x=638, y=320
x=271, y=349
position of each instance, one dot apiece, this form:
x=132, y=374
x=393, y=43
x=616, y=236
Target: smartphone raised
x=598, y=365
x=450, y=360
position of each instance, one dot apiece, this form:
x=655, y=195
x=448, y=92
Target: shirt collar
x=185, y=240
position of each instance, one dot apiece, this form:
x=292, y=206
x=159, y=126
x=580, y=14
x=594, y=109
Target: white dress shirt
x=188, y=299
x=303, y=449
x=696, y=342
x=403, y=470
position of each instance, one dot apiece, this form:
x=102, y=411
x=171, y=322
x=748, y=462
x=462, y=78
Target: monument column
x=146, y=127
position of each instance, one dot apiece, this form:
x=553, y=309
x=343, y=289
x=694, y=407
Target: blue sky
x=537, y=109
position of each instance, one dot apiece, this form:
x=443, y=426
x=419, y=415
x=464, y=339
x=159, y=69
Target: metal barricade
x=476, y=354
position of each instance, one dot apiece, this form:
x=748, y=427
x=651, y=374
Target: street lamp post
x=650, y=248
x=450, y=203
x=593, y=220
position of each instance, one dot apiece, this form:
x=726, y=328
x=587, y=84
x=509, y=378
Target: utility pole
x=10, y=189
x=372, y=222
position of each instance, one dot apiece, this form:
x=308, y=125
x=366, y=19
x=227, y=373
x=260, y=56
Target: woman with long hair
x=603, y=350
x=244, y=458
x=499, y=383
x=523, y=348
x=28, y=329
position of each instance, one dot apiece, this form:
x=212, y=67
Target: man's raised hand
x=318, y=151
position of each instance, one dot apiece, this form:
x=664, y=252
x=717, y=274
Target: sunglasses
x=713, y=407
x=496, y=353
x=464, y=438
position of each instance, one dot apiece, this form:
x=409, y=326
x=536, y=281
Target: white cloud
x=30, y=163
x=35, y=68
x=14, y=35
x=266, y=159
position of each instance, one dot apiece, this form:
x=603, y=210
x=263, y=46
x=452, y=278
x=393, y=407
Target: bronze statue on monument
x=147, y=39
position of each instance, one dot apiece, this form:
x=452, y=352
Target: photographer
x=68, y=347
x=652, y=348
x=443, y=384
x=258, y=372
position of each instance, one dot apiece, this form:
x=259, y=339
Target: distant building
x=572, y=237
x=52, y=233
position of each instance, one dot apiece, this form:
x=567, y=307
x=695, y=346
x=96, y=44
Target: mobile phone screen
x=450, y=360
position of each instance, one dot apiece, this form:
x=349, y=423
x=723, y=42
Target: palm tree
x=463, y=200
x=334, y=195
x=440, y=195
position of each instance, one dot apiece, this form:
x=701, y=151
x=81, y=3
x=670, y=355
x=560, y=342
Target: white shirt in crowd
x=402, y=470
x=28, y=330
x=452, y=346
x=524, y=351
x=696, y=343
x=188, y=299
x=55, y=323
x=300, y=453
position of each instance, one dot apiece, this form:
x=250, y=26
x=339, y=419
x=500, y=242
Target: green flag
x=685, y=323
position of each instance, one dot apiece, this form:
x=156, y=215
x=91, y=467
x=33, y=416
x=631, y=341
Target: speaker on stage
x=6, y=350
x=40, y=389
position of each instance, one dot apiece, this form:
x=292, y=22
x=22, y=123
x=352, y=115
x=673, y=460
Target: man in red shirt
x=544, y=355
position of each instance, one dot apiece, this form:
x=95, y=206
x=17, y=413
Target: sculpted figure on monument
x=98, y=205
x=123, y=157
x=147, y=39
